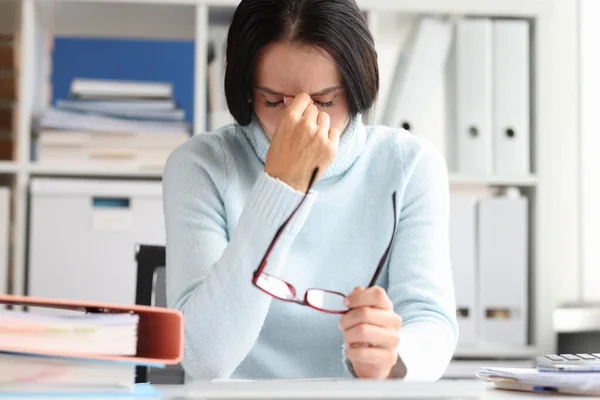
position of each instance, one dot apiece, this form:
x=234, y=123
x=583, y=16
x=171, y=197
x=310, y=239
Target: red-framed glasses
x=320, y=299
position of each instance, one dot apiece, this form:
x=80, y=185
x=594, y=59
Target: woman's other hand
x=302, y=141
x=371, y=332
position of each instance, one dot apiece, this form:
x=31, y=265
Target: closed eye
x=273, y=104
x=324, y=105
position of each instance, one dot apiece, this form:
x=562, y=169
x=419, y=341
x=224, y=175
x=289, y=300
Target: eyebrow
x=319, y=93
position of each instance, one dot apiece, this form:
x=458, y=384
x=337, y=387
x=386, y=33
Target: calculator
x=586, y=362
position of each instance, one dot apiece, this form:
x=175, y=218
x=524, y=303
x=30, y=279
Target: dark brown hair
x=336, y=26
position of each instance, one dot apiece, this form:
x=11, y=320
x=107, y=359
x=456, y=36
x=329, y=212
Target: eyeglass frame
x=263, y=263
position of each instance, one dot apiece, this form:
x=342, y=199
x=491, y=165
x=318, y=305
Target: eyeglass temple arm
x=263, y=262
x=387, y=250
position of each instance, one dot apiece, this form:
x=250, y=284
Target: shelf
x=508, y=8
x=8, y=167
x=521, y=181
x=82, y=170
x=496, y=352
x=134, y=19
x=139, y=2
x=125, y=171
x=515, y=8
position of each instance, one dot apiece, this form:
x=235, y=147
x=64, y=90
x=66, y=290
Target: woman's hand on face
x=302, y=141
x=371, y=332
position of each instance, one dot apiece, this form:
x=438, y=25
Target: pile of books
x=132, y=124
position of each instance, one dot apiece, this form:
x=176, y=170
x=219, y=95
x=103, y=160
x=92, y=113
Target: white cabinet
x=83, y=234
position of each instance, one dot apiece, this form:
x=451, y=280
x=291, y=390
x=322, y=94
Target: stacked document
x=23, y=372
x=47, y=352
x=120, y=123
x=91, y=349
x=533, y=380
x=75, y=333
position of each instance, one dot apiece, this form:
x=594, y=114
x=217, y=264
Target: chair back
x=151, y=290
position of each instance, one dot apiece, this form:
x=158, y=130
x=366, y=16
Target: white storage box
x=83, y=233
x=4, y=240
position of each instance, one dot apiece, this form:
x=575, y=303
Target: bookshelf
x=552, y=187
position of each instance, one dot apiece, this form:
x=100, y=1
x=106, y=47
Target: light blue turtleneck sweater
x=222, y=211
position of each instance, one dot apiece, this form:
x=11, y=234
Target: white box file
x=83, y=235
x=474, y=96
x=503, y=272
x=511, y=97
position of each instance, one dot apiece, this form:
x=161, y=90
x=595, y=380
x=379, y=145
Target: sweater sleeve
x=420, y=277
x=209, y=271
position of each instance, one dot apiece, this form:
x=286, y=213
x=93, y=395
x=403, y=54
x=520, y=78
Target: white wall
x=589, y=89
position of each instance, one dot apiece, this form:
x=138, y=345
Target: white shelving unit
x=552, y=187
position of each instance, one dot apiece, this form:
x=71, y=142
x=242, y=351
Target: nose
x=287, y=100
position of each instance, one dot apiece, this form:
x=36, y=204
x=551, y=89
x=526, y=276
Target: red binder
x=160, y=330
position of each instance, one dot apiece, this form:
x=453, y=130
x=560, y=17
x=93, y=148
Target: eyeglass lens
x=276, y=287
x=317, y=298
x=326, y=300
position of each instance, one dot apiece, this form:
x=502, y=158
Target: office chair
x=151, y=291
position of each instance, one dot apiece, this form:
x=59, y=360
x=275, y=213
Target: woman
x=299, y=75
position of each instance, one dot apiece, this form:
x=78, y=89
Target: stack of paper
x=80, y=333
x=132, y=124
x=531, y=379
x=103, y=358
x=51, y=372
x=53, y=352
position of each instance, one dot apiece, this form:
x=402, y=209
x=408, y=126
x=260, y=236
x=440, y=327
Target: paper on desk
x=21, y=321
x=573, y=380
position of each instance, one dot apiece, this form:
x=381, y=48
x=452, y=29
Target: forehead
x=292, y=68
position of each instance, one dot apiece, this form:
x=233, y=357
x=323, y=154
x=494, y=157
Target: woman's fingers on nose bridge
x=287, y=100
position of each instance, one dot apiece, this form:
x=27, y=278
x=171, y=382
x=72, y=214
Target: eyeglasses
x=320, y=299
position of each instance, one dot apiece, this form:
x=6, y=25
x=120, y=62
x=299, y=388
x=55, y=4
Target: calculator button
x=597, y=355
x=587, y=357
x=570, y=357
x=554, y=357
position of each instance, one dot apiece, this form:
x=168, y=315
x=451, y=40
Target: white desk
x=352, y=389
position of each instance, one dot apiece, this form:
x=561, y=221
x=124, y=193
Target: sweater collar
x=352, y=143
